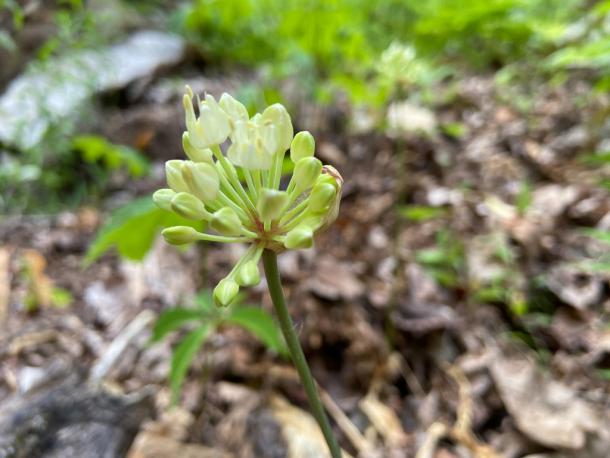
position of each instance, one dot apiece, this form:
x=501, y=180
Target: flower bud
x=306, y=171
x=248, y=274
x=163, y=198
x=173, y=174
x=225, y=292
x=189, y=206
x=234, y=109
x=303, y=145
x=180, y=235
x=271, y=203
x=277, y=115
x=299, y=237
x=321, y=197
x=226, y=222
x=202, y=180
x=195, y=154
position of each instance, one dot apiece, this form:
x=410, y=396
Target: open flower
x=239, y=194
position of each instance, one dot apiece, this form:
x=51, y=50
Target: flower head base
x=238, y=193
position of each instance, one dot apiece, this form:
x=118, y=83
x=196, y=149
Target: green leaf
x=598, y=234
x=432, y=256
x=61, y=298
x=259, y=323
x=172, y=319
x=183, y=357
x=132, y=229
x=420, y=213
x=94, y=148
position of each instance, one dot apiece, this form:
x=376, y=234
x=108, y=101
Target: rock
x=70, y=419
x=44, y=95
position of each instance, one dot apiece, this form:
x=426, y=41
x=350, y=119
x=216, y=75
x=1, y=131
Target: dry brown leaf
x=300, y=431
x=5, y=283
x=151, y=445
x=384, y=420
x=41, y=286
x=544, y=409
x=334, y=280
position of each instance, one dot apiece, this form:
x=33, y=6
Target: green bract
x=237, y=191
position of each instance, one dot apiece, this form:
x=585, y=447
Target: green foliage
x=133, y=228
x=591, y=50
x=183, y=356
x=602, y=263
x=339, y=43
x=206, y=319
x=420, y=213
x=97, y=150
x=445, y=261
x=259, y=323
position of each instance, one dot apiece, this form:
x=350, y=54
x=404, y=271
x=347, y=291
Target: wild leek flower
x=237, y=191
x=239, y=196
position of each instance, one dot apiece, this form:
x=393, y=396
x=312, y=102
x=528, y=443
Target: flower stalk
x=296, y=352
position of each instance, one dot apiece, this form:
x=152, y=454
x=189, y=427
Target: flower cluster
x=237, y=192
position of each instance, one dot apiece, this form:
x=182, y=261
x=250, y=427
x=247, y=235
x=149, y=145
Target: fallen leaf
x=544, y=409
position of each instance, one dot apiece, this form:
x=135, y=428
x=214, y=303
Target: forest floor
x=447, y=313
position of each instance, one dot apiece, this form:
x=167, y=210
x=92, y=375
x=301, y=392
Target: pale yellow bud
x=271, y=203
x=299, y=237
x=226, y=222
x=225, y=292
x=180, y=235
x=189, y=206
x=277, y=115
x=173, y=175
x=248, y=274
x=306, y=172
x=303, y=145
x=163, y=198
x=201, y=179
x=322, y=197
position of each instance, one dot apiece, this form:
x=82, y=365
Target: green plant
x=259, y=213
x=445, y=261
x=602, y=262
x=132, y=230
x=204, y=320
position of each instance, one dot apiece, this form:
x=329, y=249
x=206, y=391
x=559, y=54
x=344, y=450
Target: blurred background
x=459, y=307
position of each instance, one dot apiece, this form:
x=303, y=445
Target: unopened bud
x=321, y=197
x=225, y=292
x=306, y=171
x=303, y=145
x=299, y=237
x=226, y=222
x=277, y=115
x=195, y=154
x=248, y=274
x=180, y=235
x=163, y=198
x=271, y=203
x=189, y=206
x=173, y=174
x=202, y=180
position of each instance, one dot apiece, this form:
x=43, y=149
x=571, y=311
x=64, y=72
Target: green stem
x=296, y=352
